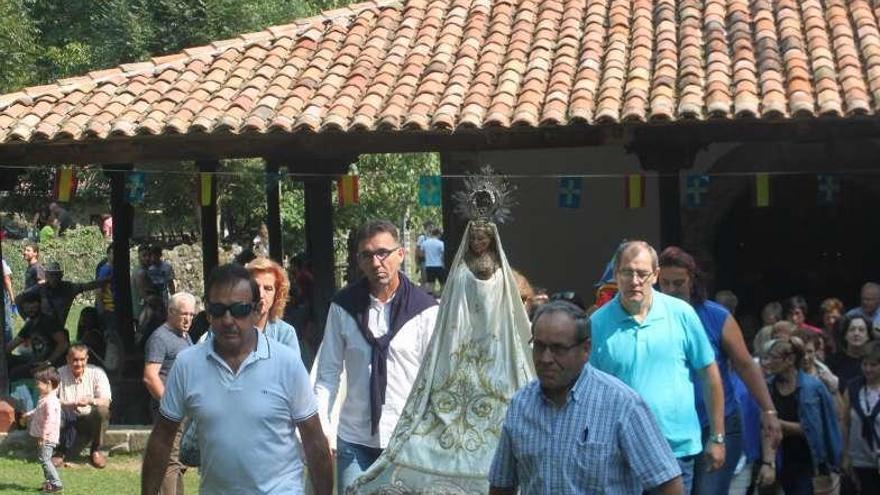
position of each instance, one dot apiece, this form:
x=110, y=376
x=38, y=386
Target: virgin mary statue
x=478, y=357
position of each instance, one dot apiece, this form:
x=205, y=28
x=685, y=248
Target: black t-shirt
x=845, y=368
x=33, y=274
x=40, y=332
x=795, y=450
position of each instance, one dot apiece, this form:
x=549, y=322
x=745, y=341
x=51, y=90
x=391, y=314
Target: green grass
x=121, y=476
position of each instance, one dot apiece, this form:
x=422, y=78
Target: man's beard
x=484, y=265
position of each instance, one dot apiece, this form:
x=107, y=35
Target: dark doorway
x=797, y=246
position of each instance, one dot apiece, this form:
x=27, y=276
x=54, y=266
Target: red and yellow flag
x=635, y=191
x=65, y=184
x=206, y=188
x=347, y=190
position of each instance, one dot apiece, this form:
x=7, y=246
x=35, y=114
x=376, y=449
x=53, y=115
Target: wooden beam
x=273, y=211
x=176, y=147
x=123, y=217
x=4, y=370
x=208, y=210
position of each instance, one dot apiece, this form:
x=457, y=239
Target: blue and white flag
x=570, y=189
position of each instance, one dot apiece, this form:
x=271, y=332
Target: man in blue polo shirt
x=652, y=342
x=248, y=393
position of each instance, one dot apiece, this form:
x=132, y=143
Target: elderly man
x=576, y=429
x=378, y=329
x=161, y=351
x=85, y=405
x=249, y=394
x=870, y=303
x=655, y=343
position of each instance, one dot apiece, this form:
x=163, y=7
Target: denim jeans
x=718, y=481
x=351, y=461
x=44, y=455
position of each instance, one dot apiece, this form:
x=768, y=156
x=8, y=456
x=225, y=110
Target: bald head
x=630, y=249
x=870, y=297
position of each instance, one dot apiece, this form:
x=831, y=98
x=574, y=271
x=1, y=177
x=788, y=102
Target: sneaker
x=97, y=459
x=50, y=488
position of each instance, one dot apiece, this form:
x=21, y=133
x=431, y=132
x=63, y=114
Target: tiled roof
x=449, y=65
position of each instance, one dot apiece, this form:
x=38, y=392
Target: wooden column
x=319, y=245
x=668, y=159
x=273, y=210
x=123, y=217
x=207, y=183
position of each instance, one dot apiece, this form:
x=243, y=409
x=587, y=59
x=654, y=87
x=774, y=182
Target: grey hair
x=581, y=321
x=635, y=247
x=180, y=297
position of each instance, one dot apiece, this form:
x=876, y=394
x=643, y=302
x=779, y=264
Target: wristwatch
x=717, y=438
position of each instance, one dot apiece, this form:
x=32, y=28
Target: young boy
x=45, y=425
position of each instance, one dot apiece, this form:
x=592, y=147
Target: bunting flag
x=697, y=188
x=347, y=190
x=828, y=188
x=762, y=190
x=570, y=189
x=430, y=190
x=206, y=188
x=635, y=191
x=65, y=184
x=135, y=187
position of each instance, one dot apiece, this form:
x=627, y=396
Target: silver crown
x=486, y=197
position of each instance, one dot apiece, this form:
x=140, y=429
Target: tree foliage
x=41, y=41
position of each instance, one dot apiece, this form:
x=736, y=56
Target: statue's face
x=480, y=242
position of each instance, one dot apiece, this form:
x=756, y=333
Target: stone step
x=117, y=440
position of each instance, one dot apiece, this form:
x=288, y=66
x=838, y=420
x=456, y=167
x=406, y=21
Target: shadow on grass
x=17, y=487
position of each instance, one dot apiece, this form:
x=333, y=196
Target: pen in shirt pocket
x=586, y=434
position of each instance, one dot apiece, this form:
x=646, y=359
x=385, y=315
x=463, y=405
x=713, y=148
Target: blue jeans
x=7, y=322
x=44, y=455
x=351, y=461
x=718, y=481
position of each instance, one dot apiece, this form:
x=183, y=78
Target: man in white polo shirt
x=248, y=394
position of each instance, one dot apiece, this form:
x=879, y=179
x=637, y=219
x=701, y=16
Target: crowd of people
x=655, y=388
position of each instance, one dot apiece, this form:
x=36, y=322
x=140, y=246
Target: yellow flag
x=762, y=190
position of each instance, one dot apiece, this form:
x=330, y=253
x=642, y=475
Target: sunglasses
x=237, y=310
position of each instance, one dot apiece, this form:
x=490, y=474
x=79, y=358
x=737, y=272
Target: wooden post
x=669, y=159
x=319, y=245
x=273, y=211
x=4, y=371
x=208, y=204
x=123, y=217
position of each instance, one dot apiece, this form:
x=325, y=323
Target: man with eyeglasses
x=161, y=350
x=378, y=329
x=249, y=394
x=576, y=429
x=656, y=344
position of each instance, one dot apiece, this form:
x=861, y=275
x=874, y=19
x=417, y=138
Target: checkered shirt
x=603, y=440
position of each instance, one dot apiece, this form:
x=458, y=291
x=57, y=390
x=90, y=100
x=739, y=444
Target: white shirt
x=343, y=345
x=247, y=420
x=92, y=384
x=433, y=248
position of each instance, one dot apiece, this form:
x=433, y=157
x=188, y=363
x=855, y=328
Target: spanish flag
x=762, y=190
x=65, y=184
x=206, y=188
x=347, y=190
x=635, y=191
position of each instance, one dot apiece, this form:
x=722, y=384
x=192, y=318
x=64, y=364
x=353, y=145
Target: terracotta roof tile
x=447, y=65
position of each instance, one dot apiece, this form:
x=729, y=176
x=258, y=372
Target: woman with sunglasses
x=809, y=455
